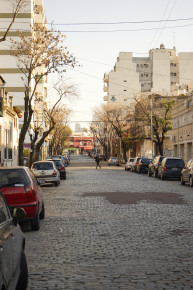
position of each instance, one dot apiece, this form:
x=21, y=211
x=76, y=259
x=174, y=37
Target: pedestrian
x=98, y=159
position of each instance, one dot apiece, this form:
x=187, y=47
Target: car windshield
x=131, y=159
x=175, y=162
x=43, y=166
x=57, y=163
x=13, y=176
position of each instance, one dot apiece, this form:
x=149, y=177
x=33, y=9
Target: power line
x=124, y=30
x=107, y=23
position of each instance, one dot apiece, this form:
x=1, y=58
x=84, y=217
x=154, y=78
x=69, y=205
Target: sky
x=93, y=36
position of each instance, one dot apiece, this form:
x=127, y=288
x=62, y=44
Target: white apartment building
x=156, y=73
x=31, y=14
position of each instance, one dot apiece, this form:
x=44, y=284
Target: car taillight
x=29, y=190
x=62, y=168
x=159, y=162
x=165, y=168
x=140, y=164
x=55, y=172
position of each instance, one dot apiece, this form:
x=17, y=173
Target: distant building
x=78, y=127
x=156, y=73
x=81, y=144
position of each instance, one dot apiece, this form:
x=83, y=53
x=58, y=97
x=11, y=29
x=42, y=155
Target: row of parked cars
x=21, y=199
x=163, y=167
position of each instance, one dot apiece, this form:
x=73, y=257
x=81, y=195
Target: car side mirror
x=18, y=214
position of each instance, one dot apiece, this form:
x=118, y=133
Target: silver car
x=113, y=161
x=46, y=170
x=129, y=164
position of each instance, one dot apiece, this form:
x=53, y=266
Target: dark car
x=135, y=162
x=60, y=166
x=171, y=167
x=143, y=164
x=154, y=165
x=13, y=265
x=21, y=189
x=103, y=157
x=187, y=173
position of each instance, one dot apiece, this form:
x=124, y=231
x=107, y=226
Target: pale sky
x=96, y=52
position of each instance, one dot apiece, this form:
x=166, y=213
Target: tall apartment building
x=156, y=73
x=31, y=14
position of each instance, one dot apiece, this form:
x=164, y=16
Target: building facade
x=9, y=128
x=156, y=73
x=30, y=15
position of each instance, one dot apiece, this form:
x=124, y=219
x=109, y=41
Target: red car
x=22, y=189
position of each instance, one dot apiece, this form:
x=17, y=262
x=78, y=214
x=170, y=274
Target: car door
x=6, y=244
x=186, y=171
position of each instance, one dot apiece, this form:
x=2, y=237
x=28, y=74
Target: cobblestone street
x=112, y=229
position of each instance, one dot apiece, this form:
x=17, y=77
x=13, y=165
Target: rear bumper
x=30, y=209
x=172, y=174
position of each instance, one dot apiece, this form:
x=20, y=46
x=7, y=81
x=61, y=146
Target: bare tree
x=55, y=117
x=37, y=56
x=17, y=6
x=153, y=119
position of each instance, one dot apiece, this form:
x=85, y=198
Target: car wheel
x=23, y=277
x=42, y=214
x=191, y=181
x=56, y=183
x=139, y=171
x=125, y=169
x=149, y=173
x=182, y=181
x=35, y=223
x=162, y=177
x=64, y=178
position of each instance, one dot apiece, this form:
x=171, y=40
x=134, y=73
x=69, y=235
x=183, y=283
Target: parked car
x=154, y=165
x=21, y=189
x=60, y=166
x=187, y=173
x=143, y=164
x=135, y=162
x=103, y=157
x=171, y=167
x=46, y=170
x=60, y=157
x=13, y=265
x=113, y=161
x=129, y=164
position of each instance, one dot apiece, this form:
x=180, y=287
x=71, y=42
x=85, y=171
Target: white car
x=113, y=161
x=46, y=170
x=129, y=164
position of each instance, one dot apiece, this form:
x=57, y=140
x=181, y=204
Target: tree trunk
x=124, y=147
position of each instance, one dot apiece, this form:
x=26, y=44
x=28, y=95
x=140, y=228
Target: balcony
x=39, y=4
x=106, y=78
x=105, y=89
x=39, y=19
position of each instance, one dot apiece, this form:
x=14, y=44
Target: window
x=125, y=90
x=125, y=81
x=4, y=215
x=141, y=75
x=175, y=122
x=181, y=120
x=142, y=85
x=189, y=117
x=137, y=65
x=141, y=65
x=146, y=75
x=145, y=65
x=174, y=74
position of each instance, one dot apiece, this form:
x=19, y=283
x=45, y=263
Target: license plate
x=175, y=169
